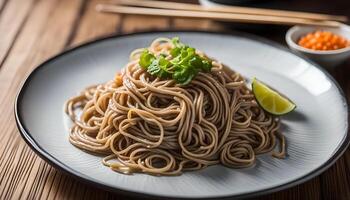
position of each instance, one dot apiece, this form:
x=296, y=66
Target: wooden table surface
x=31, y=31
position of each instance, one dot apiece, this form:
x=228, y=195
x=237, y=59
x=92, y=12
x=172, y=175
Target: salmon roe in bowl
x=323, y=41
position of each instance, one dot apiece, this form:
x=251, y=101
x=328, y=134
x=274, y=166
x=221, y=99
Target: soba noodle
x=155, y=126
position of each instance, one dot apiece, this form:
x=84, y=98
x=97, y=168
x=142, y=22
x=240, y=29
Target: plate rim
x=81, y=177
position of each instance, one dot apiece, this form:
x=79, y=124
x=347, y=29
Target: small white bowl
x=328, y=59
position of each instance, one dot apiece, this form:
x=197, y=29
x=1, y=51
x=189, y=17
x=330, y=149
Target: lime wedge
x=270, y=100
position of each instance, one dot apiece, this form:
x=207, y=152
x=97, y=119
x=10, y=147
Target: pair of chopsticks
x=220, y=13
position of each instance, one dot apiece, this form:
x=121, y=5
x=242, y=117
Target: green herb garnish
x=159, y=67
x=183, y=66
x=146, y=59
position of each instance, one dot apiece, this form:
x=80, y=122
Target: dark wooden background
x=31, y=31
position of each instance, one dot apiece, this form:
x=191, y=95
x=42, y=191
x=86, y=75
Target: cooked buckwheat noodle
x=155, y=126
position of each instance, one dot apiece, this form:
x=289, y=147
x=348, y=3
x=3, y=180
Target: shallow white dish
x=317, y=132
x=328, y=59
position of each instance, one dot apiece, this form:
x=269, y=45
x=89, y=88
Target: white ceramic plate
x=316, y=132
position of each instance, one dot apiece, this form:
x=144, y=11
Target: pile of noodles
x=146, y=124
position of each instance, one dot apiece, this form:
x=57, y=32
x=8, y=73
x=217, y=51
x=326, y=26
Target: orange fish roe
x=323, y=40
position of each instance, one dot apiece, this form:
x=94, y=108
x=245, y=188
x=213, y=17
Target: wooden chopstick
x=231, y=17
x=232, y=9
